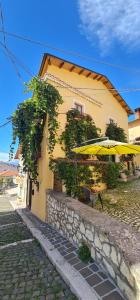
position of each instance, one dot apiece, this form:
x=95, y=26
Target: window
x=111, y=120
x=79, y=107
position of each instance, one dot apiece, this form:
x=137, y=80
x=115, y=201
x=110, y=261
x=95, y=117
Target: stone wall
x=114, y=245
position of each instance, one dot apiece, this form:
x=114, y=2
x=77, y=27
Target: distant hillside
x=5, y=166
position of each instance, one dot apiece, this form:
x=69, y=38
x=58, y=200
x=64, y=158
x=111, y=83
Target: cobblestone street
x=123, y=203
x=25, y=271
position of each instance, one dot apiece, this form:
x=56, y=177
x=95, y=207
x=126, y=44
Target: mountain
x=6, y=166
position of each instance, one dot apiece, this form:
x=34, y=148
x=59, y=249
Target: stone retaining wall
x=114, y=245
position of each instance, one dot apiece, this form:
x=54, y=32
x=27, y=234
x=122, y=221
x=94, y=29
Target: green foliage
x=126, y=172
x=1, y=182
x=79, y=128
x=73, y=175
x=114, y=132
x=29, y=119
x=110, y=174
x=84, y=253
x=103, y=157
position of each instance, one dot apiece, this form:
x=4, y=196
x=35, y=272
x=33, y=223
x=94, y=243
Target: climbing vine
x=79, y=128
x=115, y=132
x=29, y=119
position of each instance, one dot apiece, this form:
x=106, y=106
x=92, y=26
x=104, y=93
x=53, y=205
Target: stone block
x=126, y=272
x=98, y=256
x=93, y=253
x=104, y=288
x=76, y=217
x=106, y=249
x=79, y=236
x=109, y=268
x=70, y=219
x=82, y=228
x=58, y=225
x=76, y=223
x=135, y=270
x=97, y=242
x=89, y=235
x=69, y=227
x=103, y=238
x=126, y=290
x=93, y=280
x=114, y=257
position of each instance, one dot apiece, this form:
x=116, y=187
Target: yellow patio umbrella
x=108, y=147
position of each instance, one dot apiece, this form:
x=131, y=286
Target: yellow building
x=134, y=133
x=89, y=92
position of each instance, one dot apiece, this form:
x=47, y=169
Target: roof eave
x=125, y=106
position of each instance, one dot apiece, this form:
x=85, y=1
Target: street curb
x=72, y=278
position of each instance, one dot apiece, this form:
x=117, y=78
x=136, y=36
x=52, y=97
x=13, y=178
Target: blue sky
x=103, y=30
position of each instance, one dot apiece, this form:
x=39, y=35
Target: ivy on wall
x=115, y=132
x=28, y=123
x=29, y=119
x=79, y=128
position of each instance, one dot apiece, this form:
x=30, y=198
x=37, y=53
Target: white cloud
x=111, y=20
x=4, y=156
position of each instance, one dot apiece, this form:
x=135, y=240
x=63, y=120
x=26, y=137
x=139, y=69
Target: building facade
x=134, y=133
x=22, y=180
x=89, y=92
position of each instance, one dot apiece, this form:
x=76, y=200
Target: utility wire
x=87, y=88
x=3, y=45
x=15, y=60
x=72, y=53
x=6, y=52
x=6, y=123
x=113, y=89
x=18, y=62
x=2, y=22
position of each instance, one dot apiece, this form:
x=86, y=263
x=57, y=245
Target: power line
x=87, y=88
x=72, y=53
x=10, y=120
x=6, y=123
x=25, y=68
x=2, y=22
x=15, y=61
x=113, y=89
x=6, y=52
x=5, y=49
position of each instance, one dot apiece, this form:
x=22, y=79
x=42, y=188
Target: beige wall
x=134, y=132
x=108, y=108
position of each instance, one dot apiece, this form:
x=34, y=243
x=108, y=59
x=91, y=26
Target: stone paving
x=25, y=271
x=95, y=276
x=123, y=203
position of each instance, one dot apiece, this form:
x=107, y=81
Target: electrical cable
x=72, y=53
x=2, y=22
